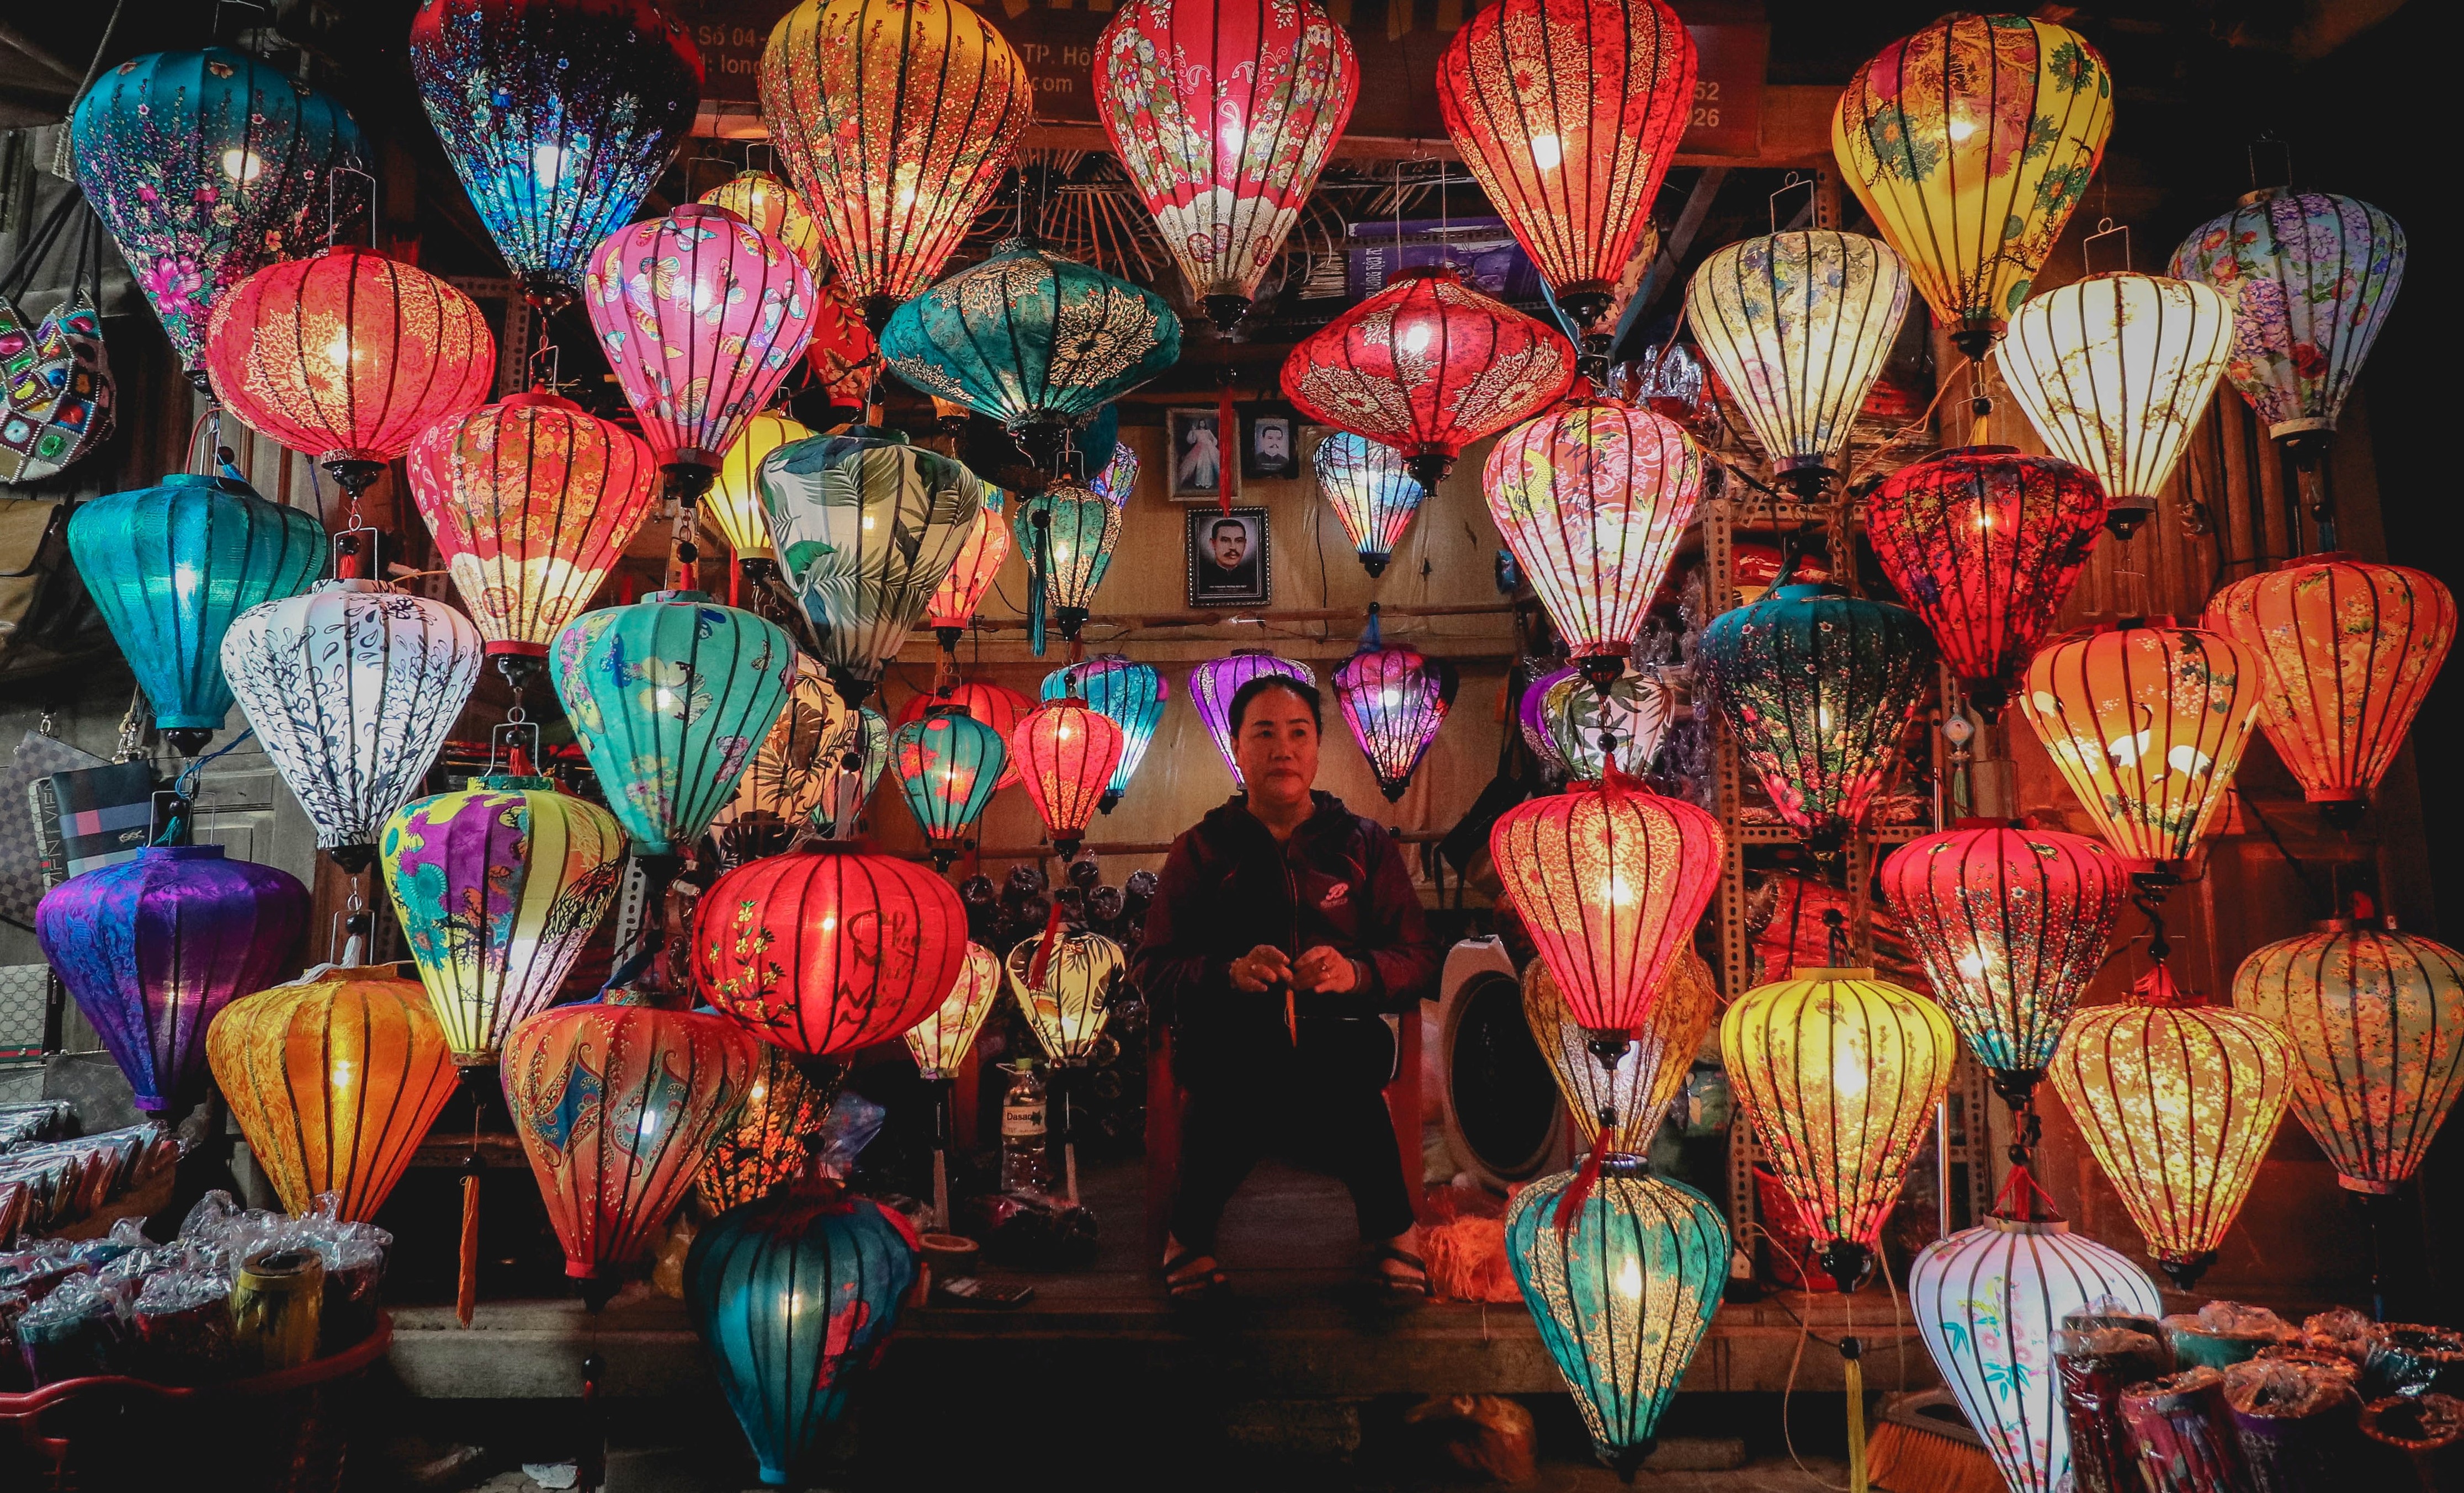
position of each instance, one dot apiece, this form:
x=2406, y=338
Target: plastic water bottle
x=1027, y=1159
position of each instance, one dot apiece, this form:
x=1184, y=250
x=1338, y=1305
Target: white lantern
x=1069, y=1007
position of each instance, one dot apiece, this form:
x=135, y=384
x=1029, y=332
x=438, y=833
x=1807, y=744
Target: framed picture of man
x=1228, y=557
x=1272, y=450
x=1195, y=455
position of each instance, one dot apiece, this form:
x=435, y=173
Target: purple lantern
x=153, y=948
x=1534, y=720
x=1213, y=684
x=1395, y=699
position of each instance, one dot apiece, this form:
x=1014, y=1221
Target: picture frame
x=1194, y=456
x=1249, y=581
x=1271, y=446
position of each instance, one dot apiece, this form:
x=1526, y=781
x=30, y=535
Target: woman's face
x=1276, y=748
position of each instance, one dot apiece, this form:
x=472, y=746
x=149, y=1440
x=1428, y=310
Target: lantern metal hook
x=1813, y=190
x=2106, y=227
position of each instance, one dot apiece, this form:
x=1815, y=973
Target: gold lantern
x=734, y=503
x=1068, y=1000
x=939, y=1043
x=1653, y=1068
x=763, y=1148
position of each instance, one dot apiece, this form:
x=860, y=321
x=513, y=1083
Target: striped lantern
x=948, y=764
x=767, y=1144
x=1651, y=1069
x=1374, y=497
x=939, y=1041
x=1129, y=694
x=1213, y=683
x=1394, y=698
x=1066, y=753
x=1068, y=1003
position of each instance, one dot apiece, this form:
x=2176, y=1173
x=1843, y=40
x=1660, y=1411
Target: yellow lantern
x=1069, y=1000
x=939, y=1043
x=734, y=502
x=1839, y=1073
x=763, y=1147
x=775, y=208
x=2113, y=370
x=1648, y=1074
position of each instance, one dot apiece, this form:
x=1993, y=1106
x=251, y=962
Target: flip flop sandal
x=1195, y=1287
x=1412, y=1287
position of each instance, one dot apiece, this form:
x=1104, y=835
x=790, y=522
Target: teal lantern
x=949, y=763
x=170, y=565
x=1130, y=695
x=1067, y=533
x=670, y=697
x=1034, y=342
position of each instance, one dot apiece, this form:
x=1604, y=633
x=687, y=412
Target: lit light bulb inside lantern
x=338, y=352
x=1962, y=130
x=1972, y=964
x=183, y=581
x=1416, y=338
x=829, y=922
x=1619, y=891
x=650, y=1119
x=242, y=165
x=1848, y=1070
x=1629, y=1278
x=1235, y=136
x=1547, y=153
x=343, y=1074
x=547, y=165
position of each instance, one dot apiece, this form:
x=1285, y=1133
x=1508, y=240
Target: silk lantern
x=2346, y=650
x=1985, y=543
x=207, y=167
x=352, y=690
x=2377, y=1022
x=617, y=1106
x=857, y=773
x=2179, y=1099
x=1067, y=995
x=1594, y=497
x=154, y=946
x=1569, y=113
x=1839, y=1073
x=867, y=526
x=829, y=949
x=896, y=119
x=766, y=1144
x=789, y=780
x=948, y=765
x=1066, y=753
x=1651, y=1070
x=498, y=887
x=1214, y=683
x=335, y=1082
x=558, y=114
x=171, y=567
x=1609, y=882
x=1971, y=143
x=776, y=208
x=996, y=705
x=952, y=609
x=2013, y=925
x=2147, y=723
x=841, y=356
x=1624, y=1294
x=1067, y=535
x=1119, y=477
x=1818, y=687
x=1129, y=694
x=939, y=1041
x=1428, y=365
x=1587, y=728
x=670, y=697
x=1374, y=497
x=1394, y=698
x=347, y=357
x=1798, y=327
x=734, y=503
x=1531, y=719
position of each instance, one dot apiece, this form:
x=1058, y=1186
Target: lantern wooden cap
x=1839, y=972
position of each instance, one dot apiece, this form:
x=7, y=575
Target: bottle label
x=1022, y=1119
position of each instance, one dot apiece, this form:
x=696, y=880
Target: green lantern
x=949, y=763
x=1033, y=340
x=1067, y=533
x=169, y=566
x=670, y=697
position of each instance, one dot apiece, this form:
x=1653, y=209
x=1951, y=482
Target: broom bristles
x=1904, y=1458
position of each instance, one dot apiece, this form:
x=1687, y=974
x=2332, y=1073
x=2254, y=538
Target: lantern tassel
x=1039, y=576
x=1043, y=961
x=1569, y=1202
x=1852, y=1374
x=466, y=1281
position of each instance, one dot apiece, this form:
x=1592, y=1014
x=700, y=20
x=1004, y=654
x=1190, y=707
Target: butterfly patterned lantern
x=1374, y=497
x=996, y=705
x=939, y=1041
x=1067, y=754
x=1130, y=695
x=1585, y=727
x=776, y=208
x=766, y=1145
x=948, y=765
x=1394, y=698
x=1214, y=683
x=1067, y=995
x=1067, y=535
x=734, y=503
x=1651, y=1070
x=951, y=609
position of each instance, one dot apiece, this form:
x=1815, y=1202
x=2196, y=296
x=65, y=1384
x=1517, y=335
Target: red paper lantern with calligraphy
x=1067, y=752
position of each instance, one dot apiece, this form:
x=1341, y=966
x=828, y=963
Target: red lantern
x=1985, y=543
x=1569, y=113
x=997, y=706
x=829, y=949
x=1428, y=365
x=1068, y=753
x=842, y=357
x=951, y=610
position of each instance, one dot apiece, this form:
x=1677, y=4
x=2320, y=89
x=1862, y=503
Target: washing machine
x=1496, y=1119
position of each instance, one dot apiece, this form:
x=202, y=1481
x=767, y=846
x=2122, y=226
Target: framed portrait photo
x=1273, y=448
x=1195, y=454
x=1228, y=557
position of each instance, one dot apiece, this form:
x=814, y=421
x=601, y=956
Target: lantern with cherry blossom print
x=1213, y=683
x=948, y=763
x=1372, y=495
x=1395, y=699
x=1066, y=753
x=1223, y=112
x=1129, y=694
x=951, y=609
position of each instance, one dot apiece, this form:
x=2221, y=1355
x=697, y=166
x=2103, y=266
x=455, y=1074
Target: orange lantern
x=763, y=1147
x=952, y=607
x=1066, y=753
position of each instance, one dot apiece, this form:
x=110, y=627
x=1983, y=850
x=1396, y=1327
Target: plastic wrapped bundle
x=2339, y=1330
x=2094, y=1365
x=2184, y=1433
x=2223, y=1332
x=2406, y=1358
x=2295, y=1422
x=183, y=1327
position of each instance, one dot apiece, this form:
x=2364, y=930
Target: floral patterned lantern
x=734, y=503
x=1818, y=687
x=1586, y=728
x=1119, y=477
x=1374, y=497
x=1223, y=112
x=1530, y=715
x=1428, y=365
x=1593, y=499
x=1067, y=535
x=207, y=167
x=1985, y=544
x=776, y=208
x=1213, y=683
x=841, y=356
x=939, y=1043
x=2377, y=1022
x=558, y=114
x=2147, y=723
x=896, y=119
x=152, y=946
x=1067, y=995
x=998, y=706
x=1648, y=1073
x=790, y=778
x=1569, y=113
x=1130, y=695
x=766, y=1145
x=1068, y=753
x=949, y=763
x=951, y=609
x=1394, y=700
x=1972, y=143
x=1839, y=1073
x=2346, y=650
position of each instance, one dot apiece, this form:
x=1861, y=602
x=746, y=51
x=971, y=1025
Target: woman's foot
x=1193, y=1276
x=1397, y=1271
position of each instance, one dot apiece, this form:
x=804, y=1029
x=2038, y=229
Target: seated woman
x=1284, y=927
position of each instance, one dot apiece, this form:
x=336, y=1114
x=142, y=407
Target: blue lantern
x=949, y=763
x=170, y=568
x=1130, y=695
x=207, y=167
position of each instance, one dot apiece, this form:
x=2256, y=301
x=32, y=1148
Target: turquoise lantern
x=1034, y=342
x=668, y=697
x=1130, y=695
x=169, y=566
x=1067, y=535
x=949, y=763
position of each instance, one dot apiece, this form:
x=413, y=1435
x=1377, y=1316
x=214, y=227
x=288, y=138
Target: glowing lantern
x=347, y=357
x=1068, y=1006
x=1651, y=1069
x=1119, y=477
x=1531, y=716
x=734, y=502
x=776, y=208
x=765, y=1145
x=2346, y=649
x=1428, y=365
x=896, y=118
x=1213, y=683
x=866, y=527
x=1067, y=535
x=1609, y=882
x=2147, y=724
x=841, y=356
x=997, y=706
x=949, y=763
x=2013, y=925
x=1223, y=112
x=171, y=567
x=857, y=772
x=939, y=1043
x=617, y=1106
x=1373, y=495
x=670, y=697
x=497, y=887
x=829, y=949
x=793, y=771
x=1818, y=687
x=1797, y=326
x=2179, y=1099
x=1971, y=143
x=352, y=690
x=1985, y=544
x=1594, y=499
x=1839, y=1073
x=1394, y=700
x=207, y=167
x=1569, y=113
x=153, y=947
x=2377, y=1022
x=558, y=114
x=1130, y=695
x=1623, y=1295
x=1068, y=753
x=1584, y=728
x=952, y=609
